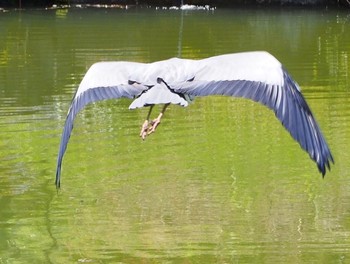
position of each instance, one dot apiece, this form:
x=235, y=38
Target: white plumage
x=254, y=75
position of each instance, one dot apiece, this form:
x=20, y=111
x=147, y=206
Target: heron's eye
x=190, y=80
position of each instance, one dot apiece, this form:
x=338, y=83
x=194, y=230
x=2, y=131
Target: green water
x=219, y=182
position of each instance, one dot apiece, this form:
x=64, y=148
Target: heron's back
x=158, y=94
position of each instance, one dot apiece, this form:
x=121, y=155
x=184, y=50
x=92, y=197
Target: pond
x=220, y=181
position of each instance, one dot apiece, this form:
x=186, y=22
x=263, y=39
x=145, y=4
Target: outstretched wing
x=260, y=77
x=104, y=80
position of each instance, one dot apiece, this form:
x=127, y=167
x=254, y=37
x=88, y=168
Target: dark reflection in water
x=220, y=181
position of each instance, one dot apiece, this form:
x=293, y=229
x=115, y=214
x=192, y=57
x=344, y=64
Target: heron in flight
x=254, y=75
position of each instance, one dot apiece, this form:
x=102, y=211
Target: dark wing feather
x=285, y=100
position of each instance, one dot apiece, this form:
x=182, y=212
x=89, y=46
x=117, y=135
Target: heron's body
x=158, y=94
x=254, y=75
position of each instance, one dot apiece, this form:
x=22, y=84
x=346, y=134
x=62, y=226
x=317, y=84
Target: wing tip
x=58, y=176
x=326, y=165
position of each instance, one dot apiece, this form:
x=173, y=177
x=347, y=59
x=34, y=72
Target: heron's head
x=161, y=80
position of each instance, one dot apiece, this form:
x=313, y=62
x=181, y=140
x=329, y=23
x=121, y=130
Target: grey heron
x=256, y=75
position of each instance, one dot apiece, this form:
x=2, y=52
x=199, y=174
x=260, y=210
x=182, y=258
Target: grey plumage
x=254, y=75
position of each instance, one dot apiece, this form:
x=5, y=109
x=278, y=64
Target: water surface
x=220, y=181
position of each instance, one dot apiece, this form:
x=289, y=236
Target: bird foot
x=154, y=124
x=149, y=127
x=144, y=129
